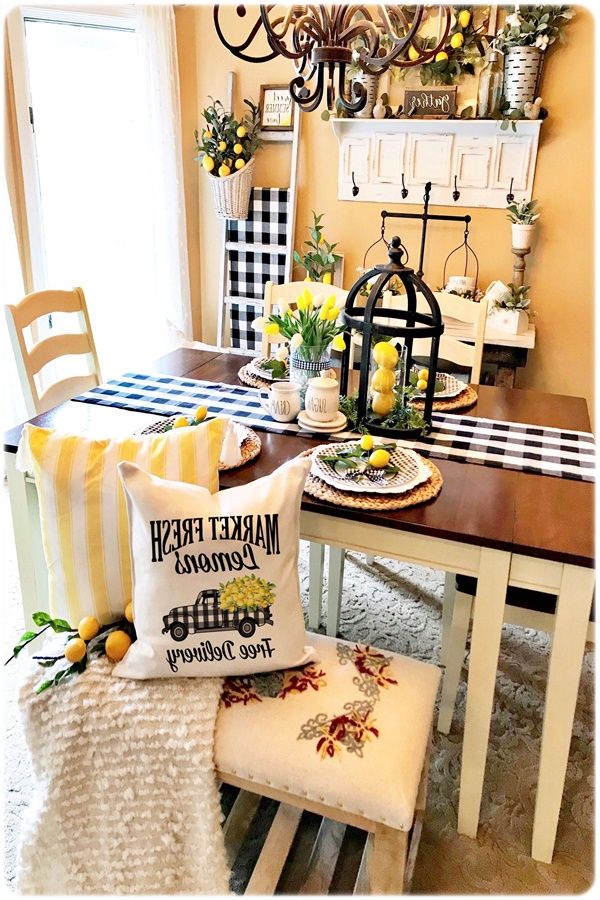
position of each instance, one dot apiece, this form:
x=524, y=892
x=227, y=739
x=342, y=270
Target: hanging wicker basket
x=231, y=194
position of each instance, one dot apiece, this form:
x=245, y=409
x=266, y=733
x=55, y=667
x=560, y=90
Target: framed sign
x=276, y=108
x=430, y=103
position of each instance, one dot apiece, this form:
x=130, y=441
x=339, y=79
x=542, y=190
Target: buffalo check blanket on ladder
x=468, y=439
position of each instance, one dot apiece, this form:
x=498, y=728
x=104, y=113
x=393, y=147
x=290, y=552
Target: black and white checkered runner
x=487, y=442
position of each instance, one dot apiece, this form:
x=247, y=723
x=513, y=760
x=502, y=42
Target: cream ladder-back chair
x=456, y=312
x=289, y=293
x=31, y=361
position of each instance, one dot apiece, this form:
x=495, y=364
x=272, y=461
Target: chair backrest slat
x=31, y=361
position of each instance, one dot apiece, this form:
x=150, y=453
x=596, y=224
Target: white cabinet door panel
x=388, y=159
x=429, y=158
x=512, y=160
x=472, y=163
x=355, y=159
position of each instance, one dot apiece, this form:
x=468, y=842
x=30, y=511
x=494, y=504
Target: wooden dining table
x=501, y=526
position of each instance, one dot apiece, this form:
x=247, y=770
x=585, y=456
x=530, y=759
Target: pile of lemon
x=209, y=164
x=199, y=416
x=117, y=643
x=383, y=380
x=246, y=592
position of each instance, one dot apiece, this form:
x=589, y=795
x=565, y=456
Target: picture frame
x=277, y=109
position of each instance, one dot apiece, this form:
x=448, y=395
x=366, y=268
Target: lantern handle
x=374, y=244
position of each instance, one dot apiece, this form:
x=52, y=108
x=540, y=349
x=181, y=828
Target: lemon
x=327, y=278
x=366, y=442
x=180, y=422
x=224, y=170
x=207, y=135
x=385, y=355
x=88, y=628
x=222, y=146
x=308, y=278
x=201, y=414
x=457, y=40
x=241, y=132
x=117, y=645
x=383, y=381
x=208, y=163
x=379, y=459
x=240, y=163
x=423, y=374
x=383, y=404
x=421, y=384
x=464, y=17
x=441, y=56
x=129, y=612
x=75, y=650
x=413, y=53
x=237, y=148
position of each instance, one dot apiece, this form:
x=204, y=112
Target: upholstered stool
x=347, y=738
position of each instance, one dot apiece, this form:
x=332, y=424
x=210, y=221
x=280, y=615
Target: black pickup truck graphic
x=206, y=615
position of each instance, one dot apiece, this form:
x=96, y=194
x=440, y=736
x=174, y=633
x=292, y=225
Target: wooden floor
x=303, y=854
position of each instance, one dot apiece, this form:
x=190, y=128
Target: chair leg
x=316, y=561
x=454, y=655
x=447, y=612
x=337, y=555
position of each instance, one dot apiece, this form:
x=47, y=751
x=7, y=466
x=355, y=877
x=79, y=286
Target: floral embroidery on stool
x=350, y=731
x=273, y=685
x=371, y=664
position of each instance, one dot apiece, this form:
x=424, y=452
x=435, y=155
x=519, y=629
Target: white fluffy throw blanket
x=126, y=800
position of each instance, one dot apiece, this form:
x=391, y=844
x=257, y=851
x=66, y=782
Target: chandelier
x=322, y=41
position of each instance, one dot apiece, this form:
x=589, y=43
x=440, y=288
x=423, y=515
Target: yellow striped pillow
x=83, y=512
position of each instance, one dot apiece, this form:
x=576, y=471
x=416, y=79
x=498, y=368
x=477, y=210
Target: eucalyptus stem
x=45, y=628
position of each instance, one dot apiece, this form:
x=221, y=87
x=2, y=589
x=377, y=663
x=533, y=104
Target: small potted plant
x=523, y=218
x=510, y=313
x=318, y=259
x=226, y=150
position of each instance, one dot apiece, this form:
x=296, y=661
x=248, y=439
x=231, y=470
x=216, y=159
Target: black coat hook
x=510, y=196
x=455, y=192
x=404, y=191
x=355, y=187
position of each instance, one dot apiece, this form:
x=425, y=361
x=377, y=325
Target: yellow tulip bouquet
x=226, y=144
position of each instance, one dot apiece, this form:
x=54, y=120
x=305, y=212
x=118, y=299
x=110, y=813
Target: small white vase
x=512, y=321
x=522, y=236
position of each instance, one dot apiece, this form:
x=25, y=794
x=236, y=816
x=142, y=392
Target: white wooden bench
x=346, y=738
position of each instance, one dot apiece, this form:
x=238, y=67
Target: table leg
x=337, y=556
x=564, y=671
x=316, y=562
x=488, y=614
x=33, y=575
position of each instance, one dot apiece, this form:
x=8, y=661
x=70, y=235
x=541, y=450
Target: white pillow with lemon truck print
x=216, y=587
x=83, y=514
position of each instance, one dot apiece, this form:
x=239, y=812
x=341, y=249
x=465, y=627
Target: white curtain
x=12, y=404
x=155, y=28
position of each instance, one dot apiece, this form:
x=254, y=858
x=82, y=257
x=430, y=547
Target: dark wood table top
x=536, y=515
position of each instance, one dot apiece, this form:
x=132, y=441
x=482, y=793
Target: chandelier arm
x=392, y=58
x=311, y=101
x=358, y=89
x=238, y=49
x=376, y=65
x=274, y=39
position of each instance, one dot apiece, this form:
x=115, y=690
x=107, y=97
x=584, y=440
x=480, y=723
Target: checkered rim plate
x=412, y=472
x=452, y=387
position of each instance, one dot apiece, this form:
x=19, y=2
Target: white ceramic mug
x=322, y=400
x=281, y=401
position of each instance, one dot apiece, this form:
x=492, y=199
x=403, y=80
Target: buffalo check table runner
x=505, y=445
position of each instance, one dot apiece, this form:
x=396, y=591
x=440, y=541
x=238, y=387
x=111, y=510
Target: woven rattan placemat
x=464, y=400
x=420, y=494
x=250, y=447
x=248, y=377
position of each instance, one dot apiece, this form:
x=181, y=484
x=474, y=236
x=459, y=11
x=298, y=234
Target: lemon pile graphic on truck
x=246, y=592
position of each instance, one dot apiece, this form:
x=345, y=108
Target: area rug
x=398, y=607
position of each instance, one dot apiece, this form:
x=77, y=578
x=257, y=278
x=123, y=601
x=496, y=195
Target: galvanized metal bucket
x=521, y=73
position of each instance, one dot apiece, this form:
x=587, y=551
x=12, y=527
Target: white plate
x=265, y=373
x=412, y=472
x=336, y=424
x=452, y=387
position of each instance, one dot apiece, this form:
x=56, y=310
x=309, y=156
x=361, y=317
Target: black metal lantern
x=407, y=324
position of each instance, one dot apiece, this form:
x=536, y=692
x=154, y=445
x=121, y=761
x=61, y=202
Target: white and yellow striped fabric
x=83, y=512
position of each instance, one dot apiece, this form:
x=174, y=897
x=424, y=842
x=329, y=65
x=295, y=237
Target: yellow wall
x=560, y=267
